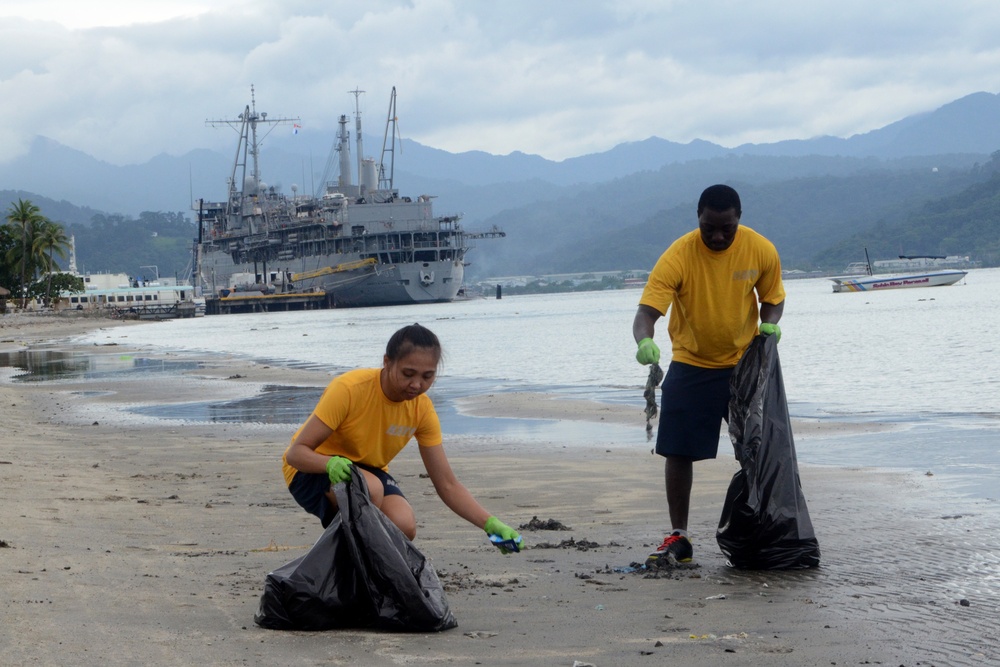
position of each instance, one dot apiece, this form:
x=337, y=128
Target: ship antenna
x=357, y=127
x=249, y=144
x=389, y=145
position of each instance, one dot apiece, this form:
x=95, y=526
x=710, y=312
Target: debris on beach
x=571, y=543
x=664, y=570
x=458, y=581
x=652, y=382
x=548, y=524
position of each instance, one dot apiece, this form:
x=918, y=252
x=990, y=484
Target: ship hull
x=400, y=285
x=378, y=284
x=366, y=254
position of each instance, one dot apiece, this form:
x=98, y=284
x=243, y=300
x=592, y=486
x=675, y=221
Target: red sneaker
x=674, y=549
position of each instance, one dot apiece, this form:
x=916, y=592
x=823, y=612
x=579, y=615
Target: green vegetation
x=820, y=219
x=29, y=245
x=964, y=223
x=117, y=243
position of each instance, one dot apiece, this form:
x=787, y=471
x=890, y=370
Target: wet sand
x=127, y=541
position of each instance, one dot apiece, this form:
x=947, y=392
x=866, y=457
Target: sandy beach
x=127, y=541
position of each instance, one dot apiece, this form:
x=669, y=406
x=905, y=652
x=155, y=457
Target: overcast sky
x=125, y=80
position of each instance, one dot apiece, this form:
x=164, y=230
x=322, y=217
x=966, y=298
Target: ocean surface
x=924, y=360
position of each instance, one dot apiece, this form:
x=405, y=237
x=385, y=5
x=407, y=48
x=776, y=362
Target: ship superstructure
x=358, y=244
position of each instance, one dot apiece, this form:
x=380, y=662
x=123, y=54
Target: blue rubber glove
x=768, y=329
x=648, y=352
x=495, y=526
x=338, y=469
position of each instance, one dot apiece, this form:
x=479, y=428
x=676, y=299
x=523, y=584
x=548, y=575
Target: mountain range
x=612, y=210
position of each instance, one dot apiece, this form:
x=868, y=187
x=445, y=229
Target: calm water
x=923, y=358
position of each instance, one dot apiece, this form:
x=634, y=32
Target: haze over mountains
x=613, y=210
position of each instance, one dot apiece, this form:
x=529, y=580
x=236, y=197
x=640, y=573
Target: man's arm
x=645, y=322
x=769, y=313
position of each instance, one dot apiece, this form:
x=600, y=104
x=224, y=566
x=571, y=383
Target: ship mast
x=357, y=129
x=249, y=145
x=344, y=149
x=389, y=145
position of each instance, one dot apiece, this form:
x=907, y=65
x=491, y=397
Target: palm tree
x=50, y=238
x=28, y=216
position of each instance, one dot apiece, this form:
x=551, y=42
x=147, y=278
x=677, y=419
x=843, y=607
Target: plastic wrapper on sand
x=765, y=524
x=362, y=572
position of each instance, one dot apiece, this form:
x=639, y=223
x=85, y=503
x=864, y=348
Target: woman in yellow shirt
x=364, y=418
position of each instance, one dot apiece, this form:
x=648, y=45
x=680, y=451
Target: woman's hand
x=495, y=526
x=338, y=469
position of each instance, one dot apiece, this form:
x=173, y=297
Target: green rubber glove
x=495, y=526
x=338, y=469
x=648, y=352
x=768, y=329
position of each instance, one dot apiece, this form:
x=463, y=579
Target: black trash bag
x=765, y=524
x=362, y=572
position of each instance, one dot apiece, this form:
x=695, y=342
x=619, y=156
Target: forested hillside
x=61, y=211
x=814, y=220
x=965, y=223
x=117, y=243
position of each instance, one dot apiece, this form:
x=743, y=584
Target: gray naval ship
x=350, y=245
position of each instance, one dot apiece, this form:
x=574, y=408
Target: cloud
x=556, y=78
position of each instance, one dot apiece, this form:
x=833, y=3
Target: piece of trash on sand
x=720, y=596
x=579, y=663
x=481, y=634
x=548, y=524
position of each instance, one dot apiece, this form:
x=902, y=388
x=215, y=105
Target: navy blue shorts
x=309, y=490
x=695, y=400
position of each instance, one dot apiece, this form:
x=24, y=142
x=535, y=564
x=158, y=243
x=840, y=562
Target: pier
x=257, y=302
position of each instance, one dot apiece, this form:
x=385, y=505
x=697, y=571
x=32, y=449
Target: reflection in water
x=278, y=404
x=275, y=404
x=48, y=365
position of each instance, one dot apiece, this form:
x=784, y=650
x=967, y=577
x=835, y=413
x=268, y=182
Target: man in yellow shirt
x=715, y=281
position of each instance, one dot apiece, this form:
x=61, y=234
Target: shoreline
x=155, y=539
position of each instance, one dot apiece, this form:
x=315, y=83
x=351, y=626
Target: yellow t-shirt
x=367, y=427
x=714, y=313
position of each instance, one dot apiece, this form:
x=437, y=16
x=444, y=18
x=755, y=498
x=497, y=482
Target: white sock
x=679, y=531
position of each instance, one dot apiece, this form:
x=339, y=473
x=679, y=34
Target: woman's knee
x=376, y=492
x=409, y=529
x=400, y=513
